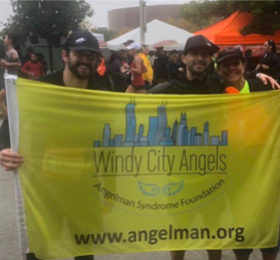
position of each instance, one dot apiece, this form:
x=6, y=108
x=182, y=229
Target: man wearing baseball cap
x=198, y=52
x=81, y=56
x=197, y=79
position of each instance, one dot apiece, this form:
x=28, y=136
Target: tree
x=266, y=13
x=183, y=24
x=124, y=30
x=108, y=34
x=50, y=20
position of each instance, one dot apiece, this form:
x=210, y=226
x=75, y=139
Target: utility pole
x=143, y=19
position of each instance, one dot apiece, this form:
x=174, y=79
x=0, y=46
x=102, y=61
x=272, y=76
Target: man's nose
x=200, y=56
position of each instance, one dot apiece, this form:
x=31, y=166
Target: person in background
x=129, y=58
x=147, y=76
x=268, y=62
x=160, y=66
x=173, y=65
x=119, y=70
x=33, y=68
x=250, y=64
x=2, y=69
x=42, y=59
x=11, y=62
x=137, y=68
x=28, y=53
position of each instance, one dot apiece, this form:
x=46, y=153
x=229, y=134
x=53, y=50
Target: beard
x=197, y=73
x=76, y=70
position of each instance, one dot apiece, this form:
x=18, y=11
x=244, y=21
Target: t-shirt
x=36, y=68
x=12, y=69
x=96, y=82
x=182, y=86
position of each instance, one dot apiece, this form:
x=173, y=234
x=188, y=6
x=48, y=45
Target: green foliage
x=50, y=20
x=108, y=34
x=266, y=13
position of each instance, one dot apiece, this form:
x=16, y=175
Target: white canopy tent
x=156, y=31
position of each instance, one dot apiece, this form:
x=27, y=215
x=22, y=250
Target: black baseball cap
x=200, y=42
x=230, y=53
x=82, y=41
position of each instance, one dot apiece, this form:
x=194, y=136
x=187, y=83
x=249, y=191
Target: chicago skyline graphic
x=159, y=133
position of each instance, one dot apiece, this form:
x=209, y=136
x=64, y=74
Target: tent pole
x=142, y=10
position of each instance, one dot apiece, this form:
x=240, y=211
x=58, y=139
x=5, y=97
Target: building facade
x=129, y=17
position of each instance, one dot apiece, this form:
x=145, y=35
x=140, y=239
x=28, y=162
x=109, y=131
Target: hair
x=143, y=47
x=248, y=53
x=272, y=44
x=12, y=37
x=2, y=50
x=30, y=49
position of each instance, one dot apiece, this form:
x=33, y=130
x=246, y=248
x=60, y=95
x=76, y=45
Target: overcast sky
x=101, y=7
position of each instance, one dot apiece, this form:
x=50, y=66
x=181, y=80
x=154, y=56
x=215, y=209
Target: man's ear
x=64, y=56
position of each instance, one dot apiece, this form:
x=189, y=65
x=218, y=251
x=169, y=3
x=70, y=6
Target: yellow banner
x=111, y=173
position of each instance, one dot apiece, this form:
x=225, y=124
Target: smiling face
x=232, y=71
x=81, y=63
x=197, y=62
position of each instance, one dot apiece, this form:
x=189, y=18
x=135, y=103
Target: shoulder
x=168, y=87
x=138, y=58
x=215, y=83
x=55, y=78
x=257, y=85
x=98, y=82
x=143, y=56
x=27, y=63
x=13, y=53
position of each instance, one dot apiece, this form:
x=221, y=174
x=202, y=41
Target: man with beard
x=80, y=55
x=198, y=52
x=198, y=79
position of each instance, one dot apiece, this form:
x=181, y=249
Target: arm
x=3, y=107
x=10, y=64
x=10, y=160
x=25, y=69
x=15, y=61
x=138, y=65
x=268, y=79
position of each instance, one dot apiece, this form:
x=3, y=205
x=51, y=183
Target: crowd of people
x=133, y=70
